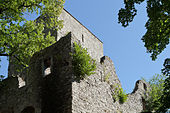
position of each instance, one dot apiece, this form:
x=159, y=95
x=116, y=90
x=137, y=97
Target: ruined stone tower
x=50, y=87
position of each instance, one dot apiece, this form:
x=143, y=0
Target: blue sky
x=122, y=45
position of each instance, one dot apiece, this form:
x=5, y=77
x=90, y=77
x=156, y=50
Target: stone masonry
x=50, y=85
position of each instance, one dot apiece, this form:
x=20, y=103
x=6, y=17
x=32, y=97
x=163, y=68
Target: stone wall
x=14, y=99
x=85, y=37
x=94, y=94
x=55, y=87
x=45, y=94
x=58, y=92
x=135, y=102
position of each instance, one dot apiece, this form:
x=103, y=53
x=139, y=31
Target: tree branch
x=1, y=54
x=19, y=61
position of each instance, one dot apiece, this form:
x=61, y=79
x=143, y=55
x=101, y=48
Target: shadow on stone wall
x=56, y=96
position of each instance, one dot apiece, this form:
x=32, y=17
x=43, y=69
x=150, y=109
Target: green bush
x=119, y=94
x=83, y=64
x=153, y=97
x=122, y=96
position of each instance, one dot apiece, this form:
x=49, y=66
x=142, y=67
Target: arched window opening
x=21, y=82
x=47, y=66
x=28, y=109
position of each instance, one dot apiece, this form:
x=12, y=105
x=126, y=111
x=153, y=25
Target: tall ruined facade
x=50, y=87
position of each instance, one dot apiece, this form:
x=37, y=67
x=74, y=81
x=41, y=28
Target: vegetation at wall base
x=83, y=64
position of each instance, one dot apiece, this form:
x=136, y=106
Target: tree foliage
x=166, y=91
x=152, y=99
x=157, y=35
x=165, y=97
x=166, y=69
x=159, y=94
x=21, y=38
x=83, y=64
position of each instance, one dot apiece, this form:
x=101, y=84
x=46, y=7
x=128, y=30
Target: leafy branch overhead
x=166, y=69
x=83, y=64
x=21, y=38
x=157, y=35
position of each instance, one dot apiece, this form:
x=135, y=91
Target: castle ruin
x=50, y=86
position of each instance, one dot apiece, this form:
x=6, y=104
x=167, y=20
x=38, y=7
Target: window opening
x=21, y=82
x=47, y=66
x=82, y=38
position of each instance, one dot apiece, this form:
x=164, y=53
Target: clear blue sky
x=122, y=45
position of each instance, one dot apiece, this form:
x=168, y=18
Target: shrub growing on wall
x=119, y=94
x=83, y=64
x=122, y=96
